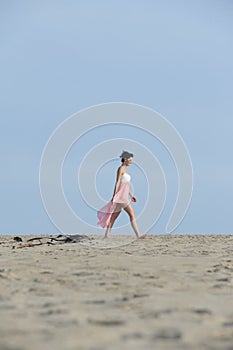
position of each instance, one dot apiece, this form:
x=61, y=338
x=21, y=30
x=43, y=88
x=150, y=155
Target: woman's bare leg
x=129, y=210
x=114, y=215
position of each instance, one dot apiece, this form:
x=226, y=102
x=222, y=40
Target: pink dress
x=122, y=197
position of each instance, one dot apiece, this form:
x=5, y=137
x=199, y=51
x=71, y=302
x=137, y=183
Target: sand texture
x=163, y=292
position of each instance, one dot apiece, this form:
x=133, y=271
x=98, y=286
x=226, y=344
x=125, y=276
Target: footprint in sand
x=224, y=279
x=228, y=324
x=106, y=322
x=167, y=334
x=130, y=336
x=95, y=302
x=202, y=311
x=156, y=313
x=53, y=312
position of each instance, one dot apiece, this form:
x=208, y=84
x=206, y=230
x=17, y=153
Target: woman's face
x=128, y=161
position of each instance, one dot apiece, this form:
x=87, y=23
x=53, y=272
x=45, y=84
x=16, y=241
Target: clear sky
x=58, y=57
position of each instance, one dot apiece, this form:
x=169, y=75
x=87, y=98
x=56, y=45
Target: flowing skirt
x=122, y=197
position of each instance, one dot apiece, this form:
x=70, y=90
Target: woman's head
x=126, y=157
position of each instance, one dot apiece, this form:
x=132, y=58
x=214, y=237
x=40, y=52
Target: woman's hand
x=133, y=199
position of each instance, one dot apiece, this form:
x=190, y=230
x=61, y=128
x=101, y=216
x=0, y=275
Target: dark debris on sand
x=23, y=242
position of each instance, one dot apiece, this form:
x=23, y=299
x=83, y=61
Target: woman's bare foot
x=143, y=236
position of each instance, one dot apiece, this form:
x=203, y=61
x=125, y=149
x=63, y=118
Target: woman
x=120, y=199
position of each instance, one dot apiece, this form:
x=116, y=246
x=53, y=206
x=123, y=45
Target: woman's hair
x=125, y=155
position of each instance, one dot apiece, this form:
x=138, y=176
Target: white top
x=125, y=177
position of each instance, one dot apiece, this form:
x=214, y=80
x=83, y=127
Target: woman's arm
x=132, y=197
x=118, y=179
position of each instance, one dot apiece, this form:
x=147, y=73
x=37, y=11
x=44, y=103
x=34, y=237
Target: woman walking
x=120, y=199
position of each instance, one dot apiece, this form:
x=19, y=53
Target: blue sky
x=58, y=57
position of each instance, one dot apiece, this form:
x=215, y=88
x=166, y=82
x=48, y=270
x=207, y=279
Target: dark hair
x=125, y=155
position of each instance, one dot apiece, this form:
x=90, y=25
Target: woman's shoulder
x=120, y=170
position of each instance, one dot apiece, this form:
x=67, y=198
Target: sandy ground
x=163, y=292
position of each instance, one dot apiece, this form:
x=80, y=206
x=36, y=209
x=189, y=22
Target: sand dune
x=164, y=292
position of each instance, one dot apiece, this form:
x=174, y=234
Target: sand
x=163, y=292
